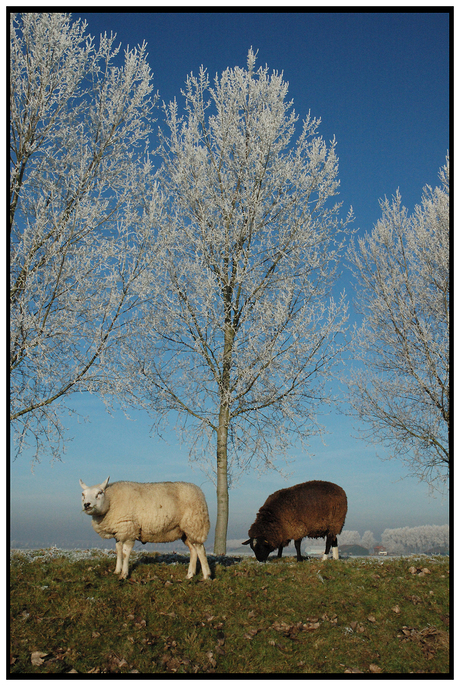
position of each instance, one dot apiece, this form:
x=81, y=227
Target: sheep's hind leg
x=203, y=560
x=328, y=547
x=193, y=557
x=127, y=547
x=335, y=548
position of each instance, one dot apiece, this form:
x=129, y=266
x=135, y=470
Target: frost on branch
x=80, y=225
x=402, y=391
x=244, y=332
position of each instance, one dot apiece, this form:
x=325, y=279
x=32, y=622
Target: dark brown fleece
x=314, y=509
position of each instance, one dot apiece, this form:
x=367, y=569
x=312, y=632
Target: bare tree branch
x=243, y=334
x=80, y=214
x=402, y=391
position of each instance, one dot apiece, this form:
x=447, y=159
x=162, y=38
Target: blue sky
x=379, y=81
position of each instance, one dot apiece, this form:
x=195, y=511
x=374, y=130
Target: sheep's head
x=93, y=500
x=261, y=547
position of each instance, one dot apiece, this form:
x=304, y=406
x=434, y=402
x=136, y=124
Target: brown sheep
x=316, y=509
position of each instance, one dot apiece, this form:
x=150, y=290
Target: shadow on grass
x=177, y=558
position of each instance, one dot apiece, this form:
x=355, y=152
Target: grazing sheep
x=314, y=509
x=152, y=512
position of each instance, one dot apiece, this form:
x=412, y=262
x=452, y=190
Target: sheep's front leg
x=297, y=548
x=127, y=547
x=119, y=549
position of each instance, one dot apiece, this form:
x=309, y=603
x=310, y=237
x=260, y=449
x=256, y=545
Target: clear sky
x=379, y=81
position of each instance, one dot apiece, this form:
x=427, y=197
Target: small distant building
x=380, y=550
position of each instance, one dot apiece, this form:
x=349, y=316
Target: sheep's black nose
x=86, y=505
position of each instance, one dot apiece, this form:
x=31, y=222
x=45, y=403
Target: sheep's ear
x=83, y=485
x=247, y=542
x=104, y=485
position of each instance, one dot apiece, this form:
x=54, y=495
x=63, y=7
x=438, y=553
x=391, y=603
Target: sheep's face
x=93, y=499
x=261, y=548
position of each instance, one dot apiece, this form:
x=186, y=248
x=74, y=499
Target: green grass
x=281, y=617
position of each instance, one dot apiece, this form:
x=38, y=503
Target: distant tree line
x=417, y=539
x=406, y=539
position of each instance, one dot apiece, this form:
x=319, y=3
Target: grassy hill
x=70, y=613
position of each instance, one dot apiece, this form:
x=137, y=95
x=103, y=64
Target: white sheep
x=151, y=512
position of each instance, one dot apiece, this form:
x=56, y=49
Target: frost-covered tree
x=348, y=537
x=402, y=389
x=416, y=539
x=79, y=126
x=368, y=540
x=244, y=332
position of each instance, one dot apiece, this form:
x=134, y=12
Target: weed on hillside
x=71, y=614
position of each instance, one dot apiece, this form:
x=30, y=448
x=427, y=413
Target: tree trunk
x=220, y=538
